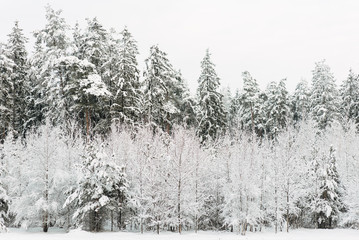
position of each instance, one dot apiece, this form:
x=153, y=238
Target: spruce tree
x=329, y=202
x=159, y=100
x=300, y=101
x=324, y=102
x=349, y=94
x=182, y=101
x=102, y=187
x=211, y=114
x=19, y=80
x=277, y=108
x=250, y=107
x=6, y=68
x=52, y=43
x=235, y=117
x=126, y=87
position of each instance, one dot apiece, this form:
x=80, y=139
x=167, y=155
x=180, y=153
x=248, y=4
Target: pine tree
x=85, y=89
x=159, y=100
x=19, y=80
x=349, y=93
x=211, y=115
x=99, y=48
x=324, y=96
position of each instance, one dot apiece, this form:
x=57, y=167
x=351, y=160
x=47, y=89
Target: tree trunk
x=276, y=208
x=288, y=210
x=179, y=207
x=111, y=220
x=87, y=124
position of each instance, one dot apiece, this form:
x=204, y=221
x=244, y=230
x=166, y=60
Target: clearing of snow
x=302, y=234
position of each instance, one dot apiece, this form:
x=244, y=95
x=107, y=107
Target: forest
x=89, y=141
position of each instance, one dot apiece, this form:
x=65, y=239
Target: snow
x=307, y=234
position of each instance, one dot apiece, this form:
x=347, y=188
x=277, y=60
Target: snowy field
x=303, y=234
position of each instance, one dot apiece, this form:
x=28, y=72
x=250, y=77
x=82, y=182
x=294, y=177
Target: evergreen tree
x=94, y=45
x=235, y=117
x=250, y=107
x=277, y=108
x=19, y=80
x=211, y=113
x=102, y=187
x=349, y=93
x=6, y=68
x=96, y=48
x=300, y=101
x=182, y=101
x=52, y=43
x=329, y=203
x=85, y=89
x=159, y=100
x=324, y=97
x=126, y=87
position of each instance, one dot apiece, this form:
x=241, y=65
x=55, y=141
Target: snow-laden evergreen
x=300, y=101
x=6, y=68
x=102, y=188
x=126, y=86
x=159, y=80
x=19, y=80
x=349, y=93
x=211, y=112
x=324, y=100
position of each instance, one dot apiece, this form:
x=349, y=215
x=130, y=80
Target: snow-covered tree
x=181, y=172
x=250, y=105
x=300, y=101
x=324, y=101
x=349, y=93
x=4, y=198
x=277, y=108
x=159, y=101
x=6, y=67
x=126, y=85
x=85, y=89
x=19, y=80
x=328, y=203
x=242, y=186
x=102, y=187
x=52, y=43
x=211, y=112
x=44, y=173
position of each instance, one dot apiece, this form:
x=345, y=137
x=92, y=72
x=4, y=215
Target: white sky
x=271, y=39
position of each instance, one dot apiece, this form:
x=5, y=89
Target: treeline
x=89, y=140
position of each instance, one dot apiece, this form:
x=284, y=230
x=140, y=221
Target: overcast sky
x=271, y=39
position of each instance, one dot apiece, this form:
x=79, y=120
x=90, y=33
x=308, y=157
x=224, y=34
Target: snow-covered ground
x=303, y=234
